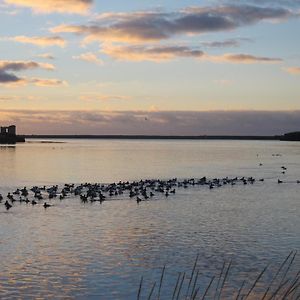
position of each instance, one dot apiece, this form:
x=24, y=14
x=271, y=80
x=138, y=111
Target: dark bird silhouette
x=7, y=205
x=46, y=205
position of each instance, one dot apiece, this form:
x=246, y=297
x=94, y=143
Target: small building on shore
x=8, y=135
x=8, y=131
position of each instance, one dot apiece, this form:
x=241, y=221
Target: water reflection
x=72, y=250
x=7, y=147
x=112, y=160
x=85, y=251
x=8, y=165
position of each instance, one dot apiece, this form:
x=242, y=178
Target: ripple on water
x=100, y=251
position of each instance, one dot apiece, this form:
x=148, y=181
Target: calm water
x=74, y=250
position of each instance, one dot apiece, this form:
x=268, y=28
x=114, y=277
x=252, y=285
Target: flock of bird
x=139, y=191
x=142, y=190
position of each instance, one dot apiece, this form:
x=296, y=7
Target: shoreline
x=156, y=137
x=295, y=136
x=291, y=136
x=11, y=140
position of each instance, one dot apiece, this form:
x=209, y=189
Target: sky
x=150, y=67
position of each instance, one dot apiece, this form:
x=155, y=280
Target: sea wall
x=12, y=139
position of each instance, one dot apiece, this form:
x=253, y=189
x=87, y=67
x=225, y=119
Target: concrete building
x=8, y=135
x=8, y=131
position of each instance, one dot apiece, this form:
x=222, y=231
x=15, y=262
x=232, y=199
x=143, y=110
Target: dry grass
x=284, y=283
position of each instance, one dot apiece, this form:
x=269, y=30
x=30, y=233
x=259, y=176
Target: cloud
x=170, y=52
x=11, y=80
x=54, y=6
x=140, y=27
x=6, y=66
x=17, y=98
x=283, y=3
x=242, y=59
x=293, y=70
x=150, y=53
x=104, y=98
x=47, y=82
x=10, y=65
x=9, y=98
x=225, y=43
x=40, y=82
x=46, y=56
x=40, y=41
x=89, y=57
x=154, y=122
x=8, y=78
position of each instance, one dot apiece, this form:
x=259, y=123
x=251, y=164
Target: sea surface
x=74, y=250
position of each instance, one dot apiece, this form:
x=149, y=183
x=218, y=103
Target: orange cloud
x=150, y=26
x=40, y=41
x=293, y=70
x=96, y=33
x=46, y=55
x=9, y=98
x=89, y=57
x=150, y=53
x=45, y=82
x=56, y=6
x=9, y=79
x=241, y=59
x=104, y=98
x=169, y=52
x=18, y=98
x=41, y=82
x=18, y=65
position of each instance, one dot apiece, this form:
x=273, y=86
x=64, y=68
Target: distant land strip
x=291, y=136
x=157, y=137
